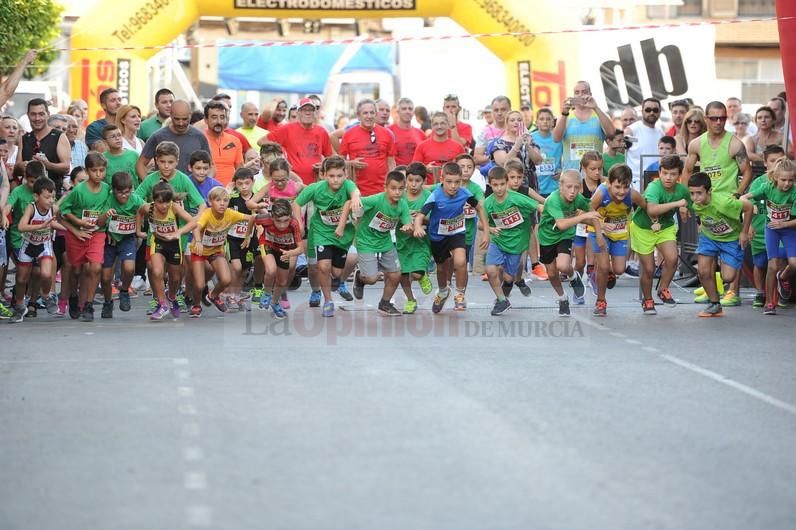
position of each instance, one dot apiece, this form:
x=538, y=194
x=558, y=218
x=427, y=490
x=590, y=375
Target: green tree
x=25, y=25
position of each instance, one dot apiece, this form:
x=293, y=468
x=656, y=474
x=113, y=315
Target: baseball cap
x=306, y=101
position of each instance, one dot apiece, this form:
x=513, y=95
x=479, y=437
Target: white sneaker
x=138, y=283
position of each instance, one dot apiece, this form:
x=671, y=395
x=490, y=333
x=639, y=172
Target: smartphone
x=578, y=100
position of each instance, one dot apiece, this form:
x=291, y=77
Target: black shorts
x=168, y=249
x=277, y=254
x=59, y=249
x=441, y=250
x=548, y=254
x=336, y=254
x=244, y=254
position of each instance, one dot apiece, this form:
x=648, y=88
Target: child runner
x=614, y=202
x=209, y=246
x=85, y=240
x=515, y=173
x=444, y=211
x=780, y=197
x=721, y=236
x=282, y=245
x=329, y=197
x=654, y=228
x=164, y=248
x=414, y=253
x=509, y=214
x=36, y=227
x=200, y=165
x=121, y=242
x=615, y=150
x=69, y=278
x=557, y=229
x=241, y=258
x=549, y=169
x=119, y=158
x=591, y=168
x=382, y=213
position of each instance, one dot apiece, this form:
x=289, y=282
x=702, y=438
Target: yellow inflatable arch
x=534, y=72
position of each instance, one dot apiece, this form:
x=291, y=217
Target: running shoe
x=730, y=299
x=283, y=301
x=18, y=314
x=600, y=308
x=523, y=287
x=328, y=309
x=539, y=272
x=410, y=306
x=62, y=309
x=579, y=300
x=702, y=299
x=648, y=307
x=74, y=308
x=344, y=293
x=770, y=309
x=5, y=312
x=592, y=276
x=87, y=315
x=206, y=297
x=632, y=270
x=219, y=303
x=425, y=284
x=232, y=303
x=439, y=301
x=359, y=287
x=577, y=285
x=153, y=306
x=265, y=301
x=699, y=291
x=783, y=287
x=666, y=297
x=175, y=309
x=279, y=312
x=256, y=293
x=611, y=280
x=387, y=309
x=244, y=305
x=196, y=311
x=500, y=307
x=159, y=313
x=459, y=303
x=760, y=300
x=181, y=301
x=124, y=301
x=52, y=304
x=563, y=308
x=713, y=309
x=32, y=311
x=107, y=309
x=315, y=299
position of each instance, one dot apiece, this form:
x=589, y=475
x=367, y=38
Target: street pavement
x=453, y=421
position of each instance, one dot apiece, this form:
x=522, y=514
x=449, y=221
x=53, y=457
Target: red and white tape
x=381, y=40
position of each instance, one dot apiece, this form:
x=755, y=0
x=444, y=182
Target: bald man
x=249, y=129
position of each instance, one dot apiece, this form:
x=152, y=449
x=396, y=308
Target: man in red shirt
x=305, y=143
x=460, y=131
x=371, y=149
x=438, y=149
x=225, y=149
x=407, y=137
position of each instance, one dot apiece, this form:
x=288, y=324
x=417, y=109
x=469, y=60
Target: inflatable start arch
x=530, y=61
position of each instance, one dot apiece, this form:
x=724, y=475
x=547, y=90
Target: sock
x=501, y=298
x=444, y=291
x=562, y=298
x=460, y=291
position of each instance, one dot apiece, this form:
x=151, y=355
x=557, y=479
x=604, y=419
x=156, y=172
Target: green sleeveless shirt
x=718, y=164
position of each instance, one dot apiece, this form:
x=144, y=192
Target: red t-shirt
x=406, y=141
x=282, y=240
x=227, y=155
x=244, y=142
x=672, y=131
x=270, y=125
x=357, y=144
x=465, y=130
x=303, y=147
x=437, y=153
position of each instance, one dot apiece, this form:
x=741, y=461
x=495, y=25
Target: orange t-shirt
x=227, y=154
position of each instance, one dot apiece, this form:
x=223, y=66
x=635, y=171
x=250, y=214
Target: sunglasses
x=692, y=122
x=373, y=137
x=652, y=110
x=716, y=118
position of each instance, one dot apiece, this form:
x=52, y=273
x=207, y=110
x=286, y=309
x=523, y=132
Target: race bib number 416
x=122, y=225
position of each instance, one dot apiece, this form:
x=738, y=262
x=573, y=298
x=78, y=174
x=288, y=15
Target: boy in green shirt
x=563, y=210
x=509, y=214
x=615, y=153
x=414, y=253
x=119, y=158
x=381, y=214
x=721, y=236
x=330, y=232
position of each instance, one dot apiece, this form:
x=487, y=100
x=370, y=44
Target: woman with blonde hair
x=128, y=119
x=694, y=125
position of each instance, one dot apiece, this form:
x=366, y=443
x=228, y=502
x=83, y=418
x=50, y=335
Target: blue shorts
x=615, y=248
x=509, y=262
x=761, y=260
x=579, y=241
x=729, y=252
x=782, y=237
x=125, y=250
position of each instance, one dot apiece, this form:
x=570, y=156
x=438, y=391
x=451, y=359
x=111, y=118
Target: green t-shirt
x=86, y=204
x=379, y=219
x=718, y=164
x=123, y=162
x=328, y=207
x=513, y=217
x=122, y=224
x=610, y=161
x=657, y=194
x=149, y=127
x=414, y=253
x=721, y=217
x=18, y=200
x=181, y=185
x=780, y=205
x=760, y=219
x=556, y=208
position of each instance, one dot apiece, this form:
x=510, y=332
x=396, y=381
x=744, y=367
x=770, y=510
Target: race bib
x=330, y=217
x=546, y=168
x=280, y=240
x=383, y=223
x=91, y=216
x=714, y=172
x=508, y=218
x=214, y=239
x=451, y=226
x=615, y=225
x=581, y=230
x=778, y=212
x=38, y=237
x=717, y=227
x=239, y=230
x=469, y=212
x=162, y=228
x=123, y=225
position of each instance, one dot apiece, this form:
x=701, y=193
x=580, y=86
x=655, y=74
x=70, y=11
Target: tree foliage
x=26, y=24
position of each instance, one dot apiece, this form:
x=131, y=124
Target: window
x=690, y=8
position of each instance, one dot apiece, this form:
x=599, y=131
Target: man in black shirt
x=45, y=144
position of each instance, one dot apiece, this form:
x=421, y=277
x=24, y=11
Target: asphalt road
x=456, y=421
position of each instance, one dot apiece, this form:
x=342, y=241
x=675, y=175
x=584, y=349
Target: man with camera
x=642, y=139
x=585, y=131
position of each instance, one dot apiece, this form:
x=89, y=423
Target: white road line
x=650, y=349
x=749, y=391
x=191, y=430
x=192, y=454
x=180, y=361
x=195, y=480
x=187, y=408
x=185, y=391
x=617, y=335
x=99, y=360
x=198, y=515
x=182, y=374
x=633, y=341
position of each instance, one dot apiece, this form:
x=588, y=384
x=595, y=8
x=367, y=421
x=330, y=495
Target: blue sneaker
x=265, y=301
x=344, y=292
x=328, y=309
x=279, y=313
x=315, y=299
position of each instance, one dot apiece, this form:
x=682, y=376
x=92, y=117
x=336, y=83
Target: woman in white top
x=128, y=118
x=766, y=135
